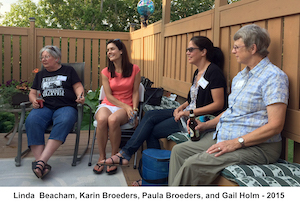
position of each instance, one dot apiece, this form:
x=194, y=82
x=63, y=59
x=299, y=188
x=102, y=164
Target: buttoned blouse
x=251, y=93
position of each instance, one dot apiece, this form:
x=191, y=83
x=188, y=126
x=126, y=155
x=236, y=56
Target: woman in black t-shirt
x=61, y=90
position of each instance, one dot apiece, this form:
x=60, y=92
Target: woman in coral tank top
x=120, y=80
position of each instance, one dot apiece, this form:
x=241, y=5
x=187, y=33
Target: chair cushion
x=125, y=126
x=252, y=181
x=272, y=170
x=179, y=137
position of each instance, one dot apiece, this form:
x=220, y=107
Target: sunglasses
x=191, y=49
x=52, y=48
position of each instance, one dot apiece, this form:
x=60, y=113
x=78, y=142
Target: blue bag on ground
x=154, y=167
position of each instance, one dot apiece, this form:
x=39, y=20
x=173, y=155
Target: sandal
x=111, y=172
x=137, y=183
x=116, y=164
x=47, y=169
x=98, y=171
x=36, y=165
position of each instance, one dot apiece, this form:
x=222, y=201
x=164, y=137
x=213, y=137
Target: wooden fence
x=159, y=49
x=20, y=50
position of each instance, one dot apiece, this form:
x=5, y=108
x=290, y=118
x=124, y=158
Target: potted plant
x=13, y=92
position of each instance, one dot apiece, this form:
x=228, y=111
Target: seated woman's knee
x=113, y=121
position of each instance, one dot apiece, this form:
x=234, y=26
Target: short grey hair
x=54, y=51
x=253, y=34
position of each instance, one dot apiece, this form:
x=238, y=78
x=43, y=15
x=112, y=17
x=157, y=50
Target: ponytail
x=218, y=58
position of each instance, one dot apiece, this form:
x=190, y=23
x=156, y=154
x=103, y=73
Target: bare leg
x=114, y=122
x=47, y=152
x=102, y=134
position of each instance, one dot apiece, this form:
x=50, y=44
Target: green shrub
x=7, y=121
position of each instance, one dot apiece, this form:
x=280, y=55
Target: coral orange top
x=122, y=88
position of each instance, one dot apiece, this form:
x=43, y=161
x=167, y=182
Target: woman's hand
x=129, y=111
x=35, y=104
x=224, y=147
x=179, y=115
x=176, y=111
x=201, y=125
x=80, y=99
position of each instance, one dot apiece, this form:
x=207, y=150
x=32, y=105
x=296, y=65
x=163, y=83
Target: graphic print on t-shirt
x=52, y=86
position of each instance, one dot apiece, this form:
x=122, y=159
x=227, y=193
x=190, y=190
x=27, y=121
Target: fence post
x=31, y=46
x=166, y=16
x=216, y=22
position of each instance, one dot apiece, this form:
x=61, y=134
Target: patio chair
x=126, y=130
x=79, y=68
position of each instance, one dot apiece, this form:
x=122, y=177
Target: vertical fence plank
x=79, y=50
x=16, y=57
x=48, y=41
x=183, y=58
x=87, y=60
x=235, y=67
x=275, y=27
x=173, y=57
x=24, y=59
x=177, y=57
x=103, y=57
x=72, y=50
x=64, y=50
x=95, y=63
x=56, y=42
x=7, y=58
x=188, y=65
x=39, y=46
x=291, y=57
x=226, y=49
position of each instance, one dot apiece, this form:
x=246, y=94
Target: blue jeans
x=38, y=120
x=154, y=125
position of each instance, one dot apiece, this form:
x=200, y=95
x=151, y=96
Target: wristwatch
x=242, y=141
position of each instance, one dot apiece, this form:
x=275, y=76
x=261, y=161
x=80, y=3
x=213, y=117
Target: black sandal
x=41, y=167
x=99, y=166
x=48, y=168
x=116, y=164
x=112, y=171
x=35, y=165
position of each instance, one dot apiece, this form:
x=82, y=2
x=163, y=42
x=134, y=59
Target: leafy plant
x=11, y=88
x=92, y=99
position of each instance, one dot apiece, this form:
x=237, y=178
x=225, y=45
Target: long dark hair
x=214, y=54
x=127, y=66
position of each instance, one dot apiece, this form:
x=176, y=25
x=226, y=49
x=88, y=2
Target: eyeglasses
x=191, y=49
x=238, y=47
x=46, y=57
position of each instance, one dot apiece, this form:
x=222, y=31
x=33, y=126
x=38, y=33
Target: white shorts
x=113, y=109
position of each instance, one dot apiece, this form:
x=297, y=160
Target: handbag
x=153, y=96
x=146, y=82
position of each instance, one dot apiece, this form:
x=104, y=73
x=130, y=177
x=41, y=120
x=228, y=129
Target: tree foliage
x=100, y=15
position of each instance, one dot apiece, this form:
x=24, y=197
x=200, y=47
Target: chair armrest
x=22, y=116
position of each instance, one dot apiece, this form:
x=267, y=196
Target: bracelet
x=135, y=109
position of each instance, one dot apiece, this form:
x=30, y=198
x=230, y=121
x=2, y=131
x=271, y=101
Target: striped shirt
x=252, y=92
